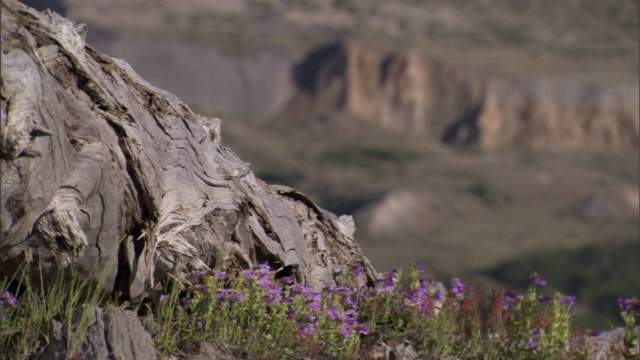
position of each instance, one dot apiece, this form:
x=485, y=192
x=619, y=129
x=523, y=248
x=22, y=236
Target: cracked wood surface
x=103, y=171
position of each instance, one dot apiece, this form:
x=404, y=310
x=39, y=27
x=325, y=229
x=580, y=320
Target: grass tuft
x=30, y=306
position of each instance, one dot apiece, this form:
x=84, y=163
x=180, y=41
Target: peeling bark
x=103, y=171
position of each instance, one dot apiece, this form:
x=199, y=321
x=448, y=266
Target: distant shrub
x=368, y=155
x=514, y=35
x=488, y=194
x=346, y=5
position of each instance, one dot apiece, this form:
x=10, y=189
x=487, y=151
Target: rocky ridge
x=408, y=92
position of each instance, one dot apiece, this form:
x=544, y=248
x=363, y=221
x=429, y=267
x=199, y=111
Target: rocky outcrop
x=408, y=92
x=108, y=174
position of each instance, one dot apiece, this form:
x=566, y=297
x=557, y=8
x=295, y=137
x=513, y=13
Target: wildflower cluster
x=531, y=325
x=263, y=316
x=630, y=311
x=279, y=318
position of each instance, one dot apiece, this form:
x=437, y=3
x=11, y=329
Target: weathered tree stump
x=102, y=171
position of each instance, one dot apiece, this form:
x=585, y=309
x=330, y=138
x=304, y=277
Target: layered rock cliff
x=407, y=91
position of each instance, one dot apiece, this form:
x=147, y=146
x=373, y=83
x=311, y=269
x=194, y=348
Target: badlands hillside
x=470, y=135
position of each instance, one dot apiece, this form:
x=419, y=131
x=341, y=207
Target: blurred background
x=487, y=139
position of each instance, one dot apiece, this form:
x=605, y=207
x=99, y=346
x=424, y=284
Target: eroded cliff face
x=408, y=92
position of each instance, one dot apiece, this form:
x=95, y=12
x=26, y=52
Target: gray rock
x=126, y=336
x=383, y=351
x=113, y=334
x=609, y=345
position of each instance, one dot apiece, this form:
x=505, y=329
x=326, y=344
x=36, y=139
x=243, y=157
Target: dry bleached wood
x=100, y=167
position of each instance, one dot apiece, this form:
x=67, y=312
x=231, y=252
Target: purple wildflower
x=508, y=299
x=314, y=304
x=419, y=267
x=201, y=274
x=272, y=298
x=363, y=295
x=437, y=296
x=333, y=314
x=200, y=324
x=185, y=301
x=625, y=304
x=351, y=321
x=392, y=276
x=543, y=298
x=596, y=333
x=415, y=297
x=357, y=271
x=425, y=283
x=388, y=284
x=8, y=300
x=264, y=269
x=163, y=298
x=290, y=313
x=386, y=288
x=221, y=274
x=248, y=274
x=341, y=290
x=345, y=330
x=307, y=329
x=425, y=308
x=534, y=338
x=538, y=281
x=202, y=304
x=349, y=300
x=457, y=287
x=308, y=292
x=312, y=319
x=265, y=283
x=362, y=329
x=567, y=300
x=237, y=297
x=222, y=295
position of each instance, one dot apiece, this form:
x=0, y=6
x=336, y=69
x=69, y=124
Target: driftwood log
x=103, y=172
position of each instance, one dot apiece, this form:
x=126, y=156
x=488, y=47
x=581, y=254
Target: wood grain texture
x=103, y=171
